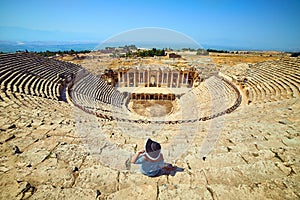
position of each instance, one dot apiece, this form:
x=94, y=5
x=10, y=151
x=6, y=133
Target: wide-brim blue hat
x=152, y=149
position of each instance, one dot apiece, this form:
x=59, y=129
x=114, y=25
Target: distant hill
x=43, y=46
x=15, y=38
x=15, y=34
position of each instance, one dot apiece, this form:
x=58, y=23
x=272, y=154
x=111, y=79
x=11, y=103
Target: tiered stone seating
x=26, y=73
x=95, y=96
x=34, y=75
x=214, y=97
x=255, y=156
x=273, y=80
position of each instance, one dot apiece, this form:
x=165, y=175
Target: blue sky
x=268, y=24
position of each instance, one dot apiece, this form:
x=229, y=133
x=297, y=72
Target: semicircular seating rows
x=254, y=160
x=34, y=75
x=273, y=80
x=29, y=74
x=215, y=97
x=212, y=98
x=94, y=95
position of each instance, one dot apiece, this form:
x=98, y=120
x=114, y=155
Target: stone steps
x=273, y=80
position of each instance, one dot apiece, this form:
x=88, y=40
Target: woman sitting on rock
x=152, y=161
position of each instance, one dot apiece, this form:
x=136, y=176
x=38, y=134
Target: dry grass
x=233, y=59
x=220, y=59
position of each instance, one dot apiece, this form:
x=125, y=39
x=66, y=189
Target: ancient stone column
x=148, y=77
x=167, y=78
x=127, y=78
x=119, y=78
x=187, y=78
x=157, y=78
x=134, y=78
x=171, y=79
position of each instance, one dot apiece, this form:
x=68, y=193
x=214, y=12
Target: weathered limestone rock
x=51, y=150
x=34, y=156
x=98, y=177
x=8, y=186
x=53, y=193
x=25, y=190
x=184, y=191
x=143, y=191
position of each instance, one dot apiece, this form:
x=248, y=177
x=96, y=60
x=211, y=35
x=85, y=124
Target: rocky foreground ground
x=44, y=155
x=51, y=149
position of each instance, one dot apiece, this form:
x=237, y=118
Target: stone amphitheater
x=67, y=134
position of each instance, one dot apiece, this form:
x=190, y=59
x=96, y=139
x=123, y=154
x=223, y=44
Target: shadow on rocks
x=169, y=169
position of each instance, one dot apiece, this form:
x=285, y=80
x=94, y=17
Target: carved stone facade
x=156, y=96
x=155, y=77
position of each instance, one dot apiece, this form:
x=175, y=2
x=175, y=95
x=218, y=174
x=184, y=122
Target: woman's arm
x=135, y=157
